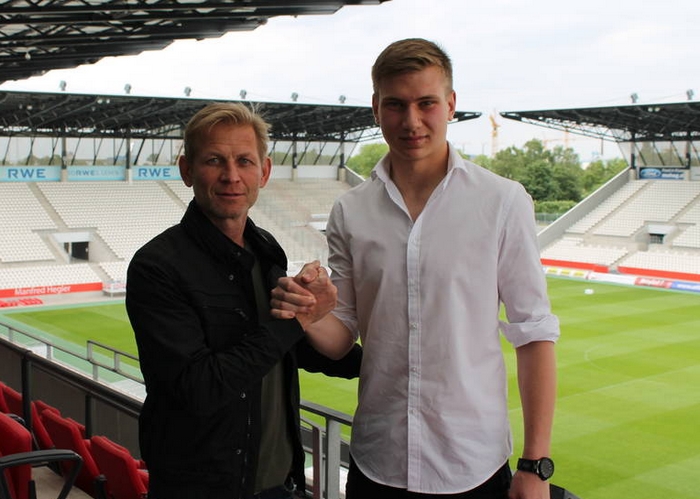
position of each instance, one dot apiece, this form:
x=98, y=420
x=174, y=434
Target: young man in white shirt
x=423, y=254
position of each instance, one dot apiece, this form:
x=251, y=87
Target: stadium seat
x=67, y=434
x=15, y=438
x=3, y=404
x=17, y=460
x=126, y=477
x=13, y=399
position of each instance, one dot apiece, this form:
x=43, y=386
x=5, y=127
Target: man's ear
x=185, y=170
x=452, y=104
x=266, y=171
x=375, y=107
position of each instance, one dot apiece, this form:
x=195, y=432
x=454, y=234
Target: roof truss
x=632, y=123
x=40, y=35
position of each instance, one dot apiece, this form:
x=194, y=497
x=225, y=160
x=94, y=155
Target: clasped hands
x=309, y=296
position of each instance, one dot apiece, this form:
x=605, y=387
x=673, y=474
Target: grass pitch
x=629, y=384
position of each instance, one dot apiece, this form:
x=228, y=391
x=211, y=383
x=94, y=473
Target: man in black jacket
x=221, y=415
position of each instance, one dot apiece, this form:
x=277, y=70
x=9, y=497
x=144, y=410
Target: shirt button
x=230, y=277
x=239, y=452
x=243, y=395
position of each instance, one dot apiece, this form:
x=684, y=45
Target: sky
x=508, y=55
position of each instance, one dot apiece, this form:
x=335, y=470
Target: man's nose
x=230, y=171
x=411, y=117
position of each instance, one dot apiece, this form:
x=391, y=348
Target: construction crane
x=494, y=133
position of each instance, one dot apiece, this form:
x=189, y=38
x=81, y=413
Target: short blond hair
x=231, y=113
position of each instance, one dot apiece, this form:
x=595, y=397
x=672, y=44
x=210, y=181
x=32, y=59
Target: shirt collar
x=220, y=246
x=454, y=162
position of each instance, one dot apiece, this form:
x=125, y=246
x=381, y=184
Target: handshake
x=309, y=296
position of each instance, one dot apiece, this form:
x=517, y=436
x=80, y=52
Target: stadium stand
x=664, y=260
x=47, y=275
x=121, y=213
x=659, y=201
x=618, y=234
x=23, y=219
x=606, y=208
x=689, y=225
x=575, y=250
x=116, y=218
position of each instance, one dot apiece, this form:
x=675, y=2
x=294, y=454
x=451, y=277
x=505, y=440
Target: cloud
x=507, y=54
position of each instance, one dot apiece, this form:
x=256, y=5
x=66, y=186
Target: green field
x=629, y=385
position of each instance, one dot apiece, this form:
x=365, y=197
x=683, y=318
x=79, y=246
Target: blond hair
x=230, y=113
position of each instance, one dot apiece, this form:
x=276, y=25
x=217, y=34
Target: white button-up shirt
x=424, y=297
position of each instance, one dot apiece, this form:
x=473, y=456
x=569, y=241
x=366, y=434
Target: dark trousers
x=360, y=487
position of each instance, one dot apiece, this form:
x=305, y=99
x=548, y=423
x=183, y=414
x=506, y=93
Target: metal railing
x=42, y=367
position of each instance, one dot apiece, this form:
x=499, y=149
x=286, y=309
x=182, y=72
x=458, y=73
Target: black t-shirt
x=276, y=450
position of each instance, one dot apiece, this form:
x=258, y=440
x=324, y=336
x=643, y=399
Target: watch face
x=546, y=468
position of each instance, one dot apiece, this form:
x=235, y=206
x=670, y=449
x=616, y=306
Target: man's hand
x=308, y=296
x=528, y=486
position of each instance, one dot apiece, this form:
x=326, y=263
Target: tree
x=567, y=173
x=538, y=180
x=509, y=162
x=547, y=175
x=599, y=172
x=363, y=162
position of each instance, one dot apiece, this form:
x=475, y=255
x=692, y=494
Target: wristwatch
x=543, y=467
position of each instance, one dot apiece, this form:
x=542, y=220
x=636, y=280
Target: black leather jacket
x=203, y=355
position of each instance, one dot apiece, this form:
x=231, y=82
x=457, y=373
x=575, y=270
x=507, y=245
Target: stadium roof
x=37, y=36
x=630, y=123
x=62, y=114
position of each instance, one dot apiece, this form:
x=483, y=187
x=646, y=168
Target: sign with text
x=30, y=173
x=99, y=173
x=662, y=173
x=155, y=172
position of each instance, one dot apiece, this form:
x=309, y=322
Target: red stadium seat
x=13, y=399
x=17, y=461
x=15, y=438
x=125, y=476
x=66, y=434
x=3, y=404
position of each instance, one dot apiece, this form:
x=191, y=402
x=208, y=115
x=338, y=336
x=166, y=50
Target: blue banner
x=111, y=172
x=662, y=173
x=30, y=173
x=155, y=173
x=686, y=286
